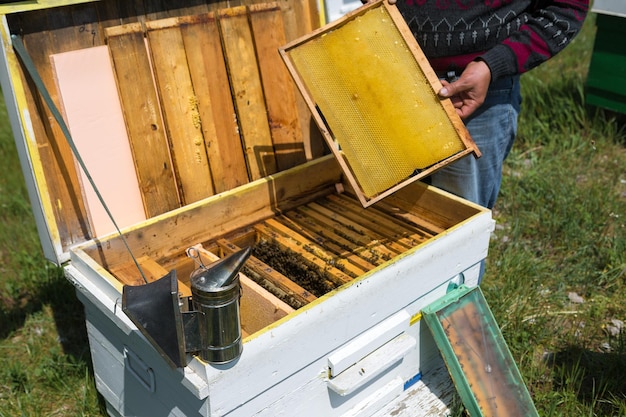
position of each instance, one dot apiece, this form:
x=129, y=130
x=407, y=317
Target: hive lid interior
x=373, y=95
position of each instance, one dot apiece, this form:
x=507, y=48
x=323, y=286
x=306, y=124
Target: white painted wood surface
x=283, y=370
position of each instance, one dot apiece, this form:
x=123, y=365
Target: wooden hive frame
x=361, y=79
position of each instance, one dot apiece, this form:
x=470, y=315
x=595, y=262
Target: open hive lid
x=150, y=148
x=373, y=95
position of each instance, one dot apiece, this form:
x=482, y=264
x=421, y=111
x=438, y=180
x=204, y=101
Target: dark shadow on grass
x=68, y=314
x=599, y=378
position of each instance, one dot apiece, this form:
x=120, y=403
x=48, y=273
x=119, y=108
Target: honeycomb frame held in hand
x=373, y=95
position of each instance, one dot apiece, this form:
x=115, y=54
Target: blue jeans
x=493, y=128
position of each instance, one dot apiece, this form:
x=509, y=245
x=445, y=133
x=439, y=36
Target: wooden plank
x=120, y=12
x=369, y=226
x=219, y=122
x=143, y=118
x=436, y=210
x=162, y=9
x=314, y=247
x=179, y=104
x=334, y=275
x=389, y=221
x=269, y=276
x=258, y=307
x=247, y=90
x=400, y=211
x=374, y=219
x=128, y=274
x=321, y=227
x=47, y=32
x=361, y=226
x=222, y=213
x=280, y=95
x=376, y=252
x=319, y=236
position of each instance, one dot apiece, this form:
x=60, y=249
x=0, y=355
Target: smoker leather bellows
x=212, y=328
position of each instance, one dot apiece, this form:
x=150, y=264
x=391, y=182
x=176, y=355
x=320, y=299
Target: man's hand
x=469, y=91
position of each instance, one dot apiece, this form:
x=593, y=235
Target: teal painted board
x=478, y=359
x=606, y=80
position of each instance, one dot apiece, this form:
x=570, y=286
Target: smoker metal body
x=358, y=350
x=219, y=325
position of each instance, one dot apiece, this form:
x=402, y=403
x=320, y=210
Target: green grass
x=44, y=353
x=561, y=229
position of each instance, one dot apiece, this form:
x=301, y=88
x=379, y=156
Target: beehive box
x=162, y=100
x=605, y=85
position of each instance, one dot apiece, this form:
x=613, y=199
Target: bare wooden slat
x=120, y=12
x=221, y=214
x=316, y=248
x=373, y=229
x=379, y=216
x=143, y=118
x=439, y=208
x=361, y=225
x=270, y=277
x=367, y=259
x=342, y=252
x=333, y=274
x=180, y=110
x=375, y=220
x=215, y=103
x=351, y=231
x=248, y=92
x=314, y=225
x=401, y=210
x=320, y=226
x=162, y=9
x=128, y=274
x=280, y=95
x=299, y=19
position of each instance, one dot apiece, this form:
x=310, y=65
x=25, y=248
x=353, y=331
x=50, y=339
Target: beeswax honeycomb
x=383, y=112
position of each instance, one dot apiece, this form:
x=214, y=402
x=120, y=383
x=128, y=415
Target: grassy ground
x=44, y=354
x=555, y=278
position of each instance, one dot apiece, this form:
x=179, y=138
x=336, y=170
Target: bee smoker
x=213, y=326
x=215, y=299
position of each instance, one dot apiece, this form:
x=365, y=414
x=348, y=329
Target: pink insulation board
x=93, y=113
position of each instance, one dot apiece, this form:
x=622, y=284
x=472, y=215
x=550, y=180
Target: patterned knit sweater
x=511, y=36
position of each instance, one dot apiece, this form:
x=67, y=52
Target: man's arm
x=550, y=27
